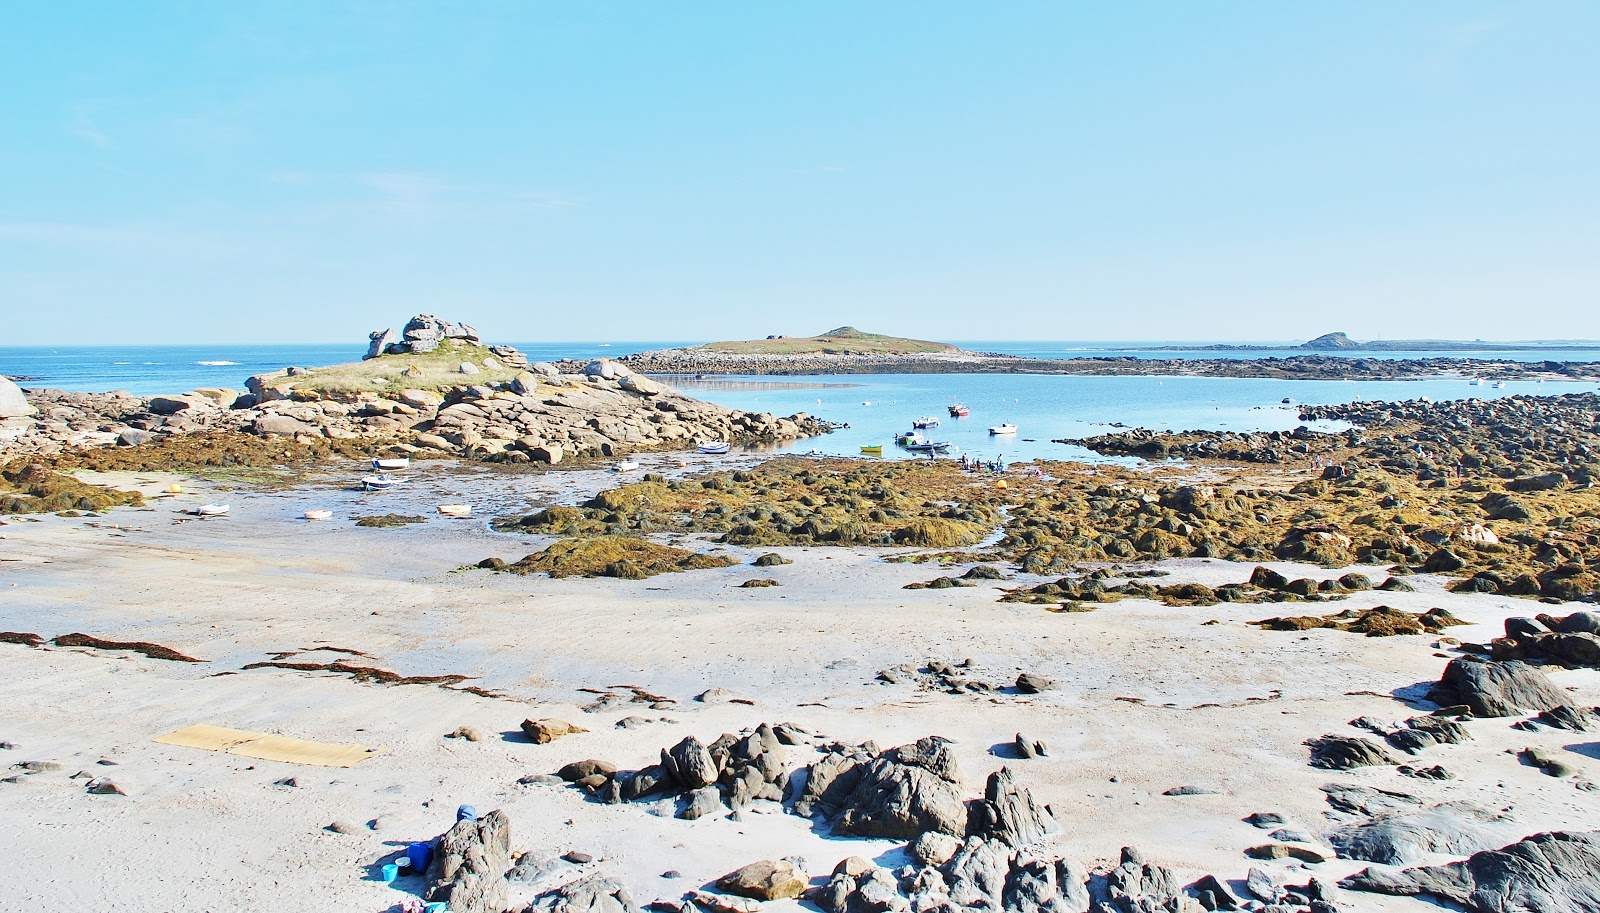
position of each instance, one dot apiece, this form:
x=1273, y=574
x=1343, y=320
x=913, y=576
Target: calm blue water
x=1059, y=406
x=150, y=370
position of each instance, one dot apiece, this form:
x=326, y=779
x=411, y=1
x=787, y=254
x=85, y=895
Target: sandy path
x=1223, y=706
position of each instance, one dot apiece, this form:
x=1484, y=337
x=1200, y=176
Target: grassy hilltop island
x=843, y=341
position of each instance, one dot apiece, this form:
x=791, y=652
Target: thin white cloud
x=84, y=127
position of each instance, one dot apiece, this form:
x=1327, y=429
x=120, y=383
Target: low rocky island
x=433, y=389
x=849, y=351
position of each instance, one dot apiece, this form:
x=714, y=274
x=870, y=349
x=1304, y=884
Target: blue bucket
x=420, y=854
x=391, y=872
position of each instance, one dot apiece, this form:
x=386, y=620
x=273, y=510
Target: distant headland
x=842, y=341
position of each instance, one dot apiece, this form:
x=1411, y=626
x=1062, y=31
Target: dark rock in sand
x=1455, y=828
x=1338, y=752
x=470, y=863
x=1495, y=689
x=689, y=764
x=1136, y=884
x=590, y=767
x=1033, y=683
x=906, y=791
x=771, y=559
x=1009, y=813
x=1426, y=731
x=1556, y=872
x=594, y=893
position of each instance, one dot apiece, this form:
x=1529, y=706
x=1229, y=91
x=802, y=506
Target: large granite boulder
x=1494, y=689
x=906, y=791
x=12, y=403
x=1557, y=872
x=470, y=864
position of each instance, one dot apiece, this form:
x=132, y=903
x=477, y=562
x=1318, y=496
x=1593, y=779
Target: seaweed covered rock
x=1495, y=689
x=626, y=557
x=1557, y=872
x=32, y=488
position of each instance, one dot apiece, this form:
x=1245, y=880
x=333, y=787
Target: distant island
x=1341, y=342
x=1332, y=356
x=842, y=341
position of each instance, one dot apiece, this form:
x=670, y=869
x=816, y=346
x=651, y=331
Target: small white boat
x=318, y=514
x=391, y=464
x=1475, y=382
x=909, y=438
x=1499, y=385
x=714, y=447
x=377, y=483
x=211, y=510
x=1007, y=428
x=627, y=465
x=456, y=510
x=927, y=421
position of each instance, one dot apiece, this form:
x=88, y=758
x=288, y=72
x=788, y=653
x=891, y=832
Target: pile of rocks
x=1572, y=641
x=421, y=334
x=539, y=416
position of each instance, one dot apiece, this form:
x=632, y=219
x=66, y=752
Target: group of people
x=974, y=464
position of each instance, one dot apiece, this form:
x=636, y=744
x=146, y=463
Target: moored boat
x=872, y=450
x=909, y=438
x=714, y=447
x=957, y=410
x=927, y=421
x=1006, y=428
x=456, y=510
x=930, y=447
x=211, y=510
x=627, y=465
x=391, y=463
x=377, y=483
x=316, y=514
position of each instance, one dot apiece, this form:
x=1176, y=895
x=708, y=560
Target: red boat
x=960, y=411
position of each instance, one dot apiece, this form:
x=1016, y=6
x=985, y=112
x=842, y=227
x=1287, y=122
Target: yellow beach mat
x=268, y=747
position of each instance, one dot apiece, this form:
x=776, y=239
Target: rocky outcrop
x=1496, y=689
x=470, y=864
x=1456, y=828
x=906, y=791
x=1009, y=813
x=547, y=422
x=1572, y=641
x=421, y=334
x=1556, y=872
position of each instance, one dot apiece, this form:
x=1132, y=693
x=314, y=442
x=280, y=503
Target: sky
x=307, y=172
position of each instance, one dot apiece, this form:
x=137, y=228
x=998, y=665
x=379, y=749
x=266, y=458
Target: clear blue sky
x=288, y=171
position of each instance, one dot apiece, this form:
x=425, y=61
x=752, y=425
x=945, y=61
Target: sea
x=874, y=407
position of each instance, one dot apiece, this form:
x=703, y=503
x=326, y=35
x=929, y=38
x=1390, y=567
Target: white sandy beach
x=1150, y=697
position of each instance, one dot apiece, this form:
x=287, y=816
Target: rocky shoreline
x=496, y=408
x=691, y=361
